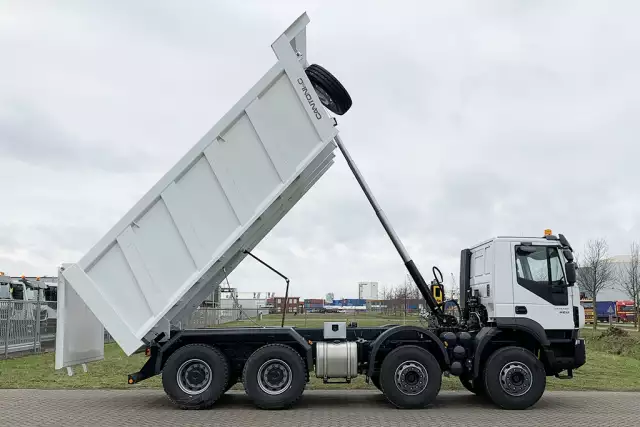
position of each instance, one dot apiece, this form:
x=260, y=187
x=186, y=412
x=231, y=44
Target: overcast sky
x=469, y=120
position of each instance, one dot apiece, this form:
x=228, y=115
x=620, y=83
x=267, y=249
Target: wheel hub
x=411, y=378
x=325, y=98
x=516, y=379
x=274, y=376
x=194, y=376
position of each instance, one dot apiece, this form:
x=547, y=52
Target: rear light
x=147, y=351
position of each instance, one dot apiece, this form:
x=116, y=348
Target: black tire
x=475, y=386
x=514, y=378
x=331, y=92
x=422, y=377
x=289, y=378
x=195, y=376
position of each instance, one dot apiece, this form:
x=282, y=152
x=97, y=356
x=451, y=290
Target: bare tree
x=383, y=292
x=595, y=271
x=629, y=280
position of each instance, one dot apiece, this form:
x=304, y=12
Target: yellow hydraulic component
x=436, y=291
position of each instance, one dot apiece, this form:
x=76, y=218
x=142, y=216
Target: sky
x=469, y=120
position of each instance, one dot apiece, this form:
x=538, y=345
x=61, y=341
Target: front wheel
x=514, y=378
x=410, y=377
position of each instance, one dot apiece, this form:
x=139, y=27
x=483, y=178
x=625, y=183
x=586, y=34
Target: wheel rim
x=411, y=377
x=274, y=377
x=194, y=376
x=325, y=98
x=516, y=379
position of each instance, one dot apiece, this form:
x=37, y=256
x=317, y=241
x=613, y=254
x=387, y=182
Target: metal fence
x=211, y=317
x=29, y=327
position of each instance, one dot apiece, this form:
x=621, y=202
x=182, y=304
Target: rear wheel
x=274, y=376
x=515, y=378
x=410, y=377
x=195, y=376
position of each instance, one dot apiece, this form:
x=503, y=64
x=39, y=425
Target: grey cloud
x=468, y=122
x=30, y=136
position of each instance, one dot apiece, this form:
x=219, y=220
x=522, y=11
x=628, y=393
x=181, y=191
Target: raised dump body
x=172, y=249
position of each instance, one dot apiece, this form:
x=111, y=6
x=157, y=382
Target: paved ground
x=317, y=408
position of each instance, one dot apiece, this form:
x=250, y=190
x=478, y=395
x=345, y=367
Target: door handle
x=521, y=309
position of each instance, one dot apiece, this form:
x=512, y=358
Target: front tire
x=410, y=377
x=274, y=376
x=514, y=378
x=195, y=376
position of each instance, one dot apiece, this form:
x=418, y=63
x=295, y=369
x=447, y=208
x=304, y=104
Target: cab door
x=540, y=287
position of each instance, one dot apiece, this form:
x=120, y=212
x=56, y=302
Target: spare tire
x=329, y=89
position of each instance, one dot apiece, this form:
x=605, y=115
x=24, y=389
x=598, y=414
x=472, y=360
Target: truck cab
x=523, y=290
x=523, y=281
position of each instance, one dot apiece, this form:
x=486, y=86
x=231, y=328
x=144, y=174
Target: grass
x=613, y=363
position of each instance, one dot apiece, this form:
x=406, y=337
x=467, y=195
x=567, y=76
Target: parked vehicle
x=625, y=311
x=604, y=310
x=19, y=292
x=519, y=310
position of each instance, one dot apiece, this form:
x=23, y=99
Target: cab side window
x=539, y=270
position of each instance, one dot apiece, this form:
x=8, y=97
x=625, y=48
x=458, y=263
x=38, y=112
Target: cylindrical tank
x=336, y=360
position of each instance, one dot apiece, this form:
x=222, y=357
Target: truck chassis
x=406, y=363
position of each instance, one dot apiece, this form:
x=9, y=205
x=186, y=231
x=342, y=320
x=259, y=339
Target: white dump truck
x=519, y=313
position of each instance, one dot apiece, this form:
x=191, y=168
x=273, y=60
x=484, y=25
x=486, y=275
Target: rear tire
x=514, y=378
x=329, y=89
x=274, y=376
x=410, y=377
x=195, y=376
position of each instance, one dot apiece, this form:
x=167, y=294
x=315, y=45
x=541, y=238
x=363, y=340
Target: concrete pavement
x=143, y=407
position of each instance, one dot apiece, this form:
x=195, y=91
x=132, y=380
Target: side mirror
x=570, y=267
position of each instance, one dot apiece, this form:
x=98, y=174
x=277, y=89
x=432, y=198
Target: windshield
x=627, y=308
x=5, y=292
x=587, y=304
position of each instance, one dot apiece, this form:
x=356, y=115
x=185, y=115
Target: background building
x=294, y=305
x=368, y=290
x=249, y=301
x=613, y=292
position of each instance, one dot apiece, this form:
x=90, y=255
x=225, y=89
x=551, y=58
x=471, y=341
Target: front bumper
x=567, y=359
